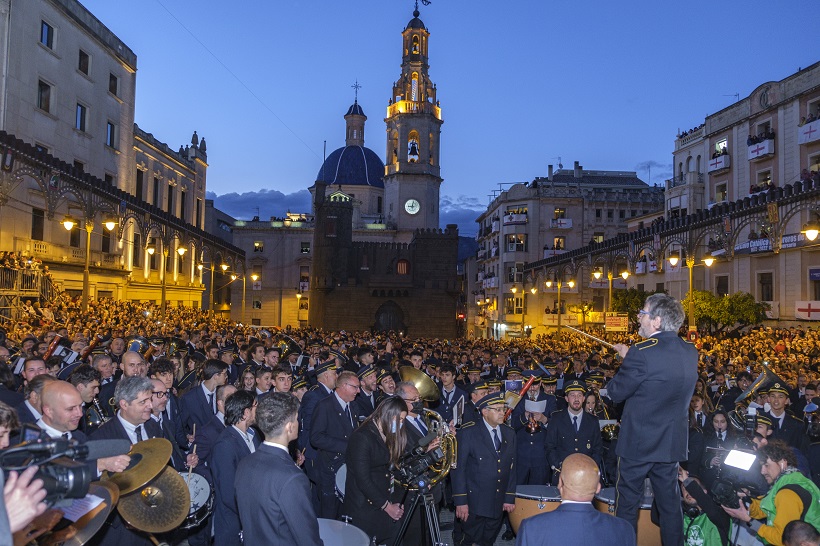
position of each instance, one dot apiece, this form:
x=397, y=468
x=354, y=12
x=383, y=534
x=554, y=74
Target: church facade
x=370, y=255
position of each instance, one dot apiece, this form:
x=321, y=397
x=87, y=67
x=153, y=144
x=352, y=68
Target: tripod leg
x=432, y=519
x=408, y=515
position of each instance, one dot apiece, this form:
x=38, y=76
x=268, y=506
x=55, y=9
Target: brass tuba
x=608, y=432
x=737, y=417
x=448, y=445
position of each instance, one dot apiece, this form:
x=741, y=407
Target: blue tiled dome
x=355, y=109
x=415, y=22
x=353, y=165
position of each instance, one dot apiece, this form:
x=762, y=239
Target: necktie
x=347, y=413
x=66, y=436
x=139, y=433
x=496, y=440
x=211, y=402
x=421, y=425
x=575, y=422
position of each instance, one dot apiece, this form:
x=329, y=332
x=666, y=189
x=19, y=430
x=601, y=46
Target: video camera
x=735, y=476
x=63, y=467
x=412, y=469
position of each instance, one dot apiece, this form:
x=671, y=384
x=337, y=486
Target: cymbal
x=148, y=458
x=88, y=525
x=160, y=506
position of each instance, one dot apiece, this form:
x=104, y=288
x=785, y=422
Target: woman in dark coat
x=372, y=499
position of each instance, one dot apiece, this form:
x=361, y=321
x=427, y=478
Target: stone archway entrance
x=389, y=316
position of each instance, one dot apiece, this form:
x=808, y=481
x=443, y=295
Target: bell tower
x=412, y=173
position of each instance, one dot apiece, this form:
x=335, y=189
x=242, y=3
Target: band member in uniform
x=235, y=443
x=529, y=421
x=656, y=381
x=376, y=446
x=573, y=430
x=484, y=479
x=272, y=494
x=326, y=377
x=334, y=420
x=450, y=393
x=366, y=401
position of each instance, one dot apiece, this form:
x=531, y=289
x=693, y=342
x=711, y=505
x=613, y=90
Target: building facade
x=73, y=152
x=547, y=217
x=745, y=190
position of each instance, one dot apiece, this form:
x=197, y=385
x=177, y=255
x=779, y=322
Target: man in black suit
x=326, y=377
x=655, y=382
x=159, y=401
x=450, y=393
x=573, y=430
x=484, y=479
x=31, y=409
x=334, y=420
x=198, y=406
x=235, y=443
x=228, y=356
x=367, y=398
x=272, y=494
x=133, y=396
x=576, y=521
x=207, y=436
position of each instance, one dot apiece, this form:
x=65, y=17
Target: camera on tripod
x=734, y=478
x=412, y=469
x=63, y=477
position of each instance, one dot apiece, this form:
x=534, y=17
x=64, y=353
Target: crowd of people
x=760, y=137
x=271, y=419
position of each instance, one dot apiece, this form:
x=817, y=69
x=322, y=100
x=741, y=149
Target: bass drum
x=202, y=500
x=649, y=534
x=531, y=500
x=341, y=477
x=339, y=533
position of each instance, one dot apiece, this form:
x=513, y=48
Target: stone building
x=73, y=152
x=547, y=217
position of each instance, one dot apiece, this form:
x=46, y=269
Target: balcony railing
x=515, y=219
x=809, y=132
x=413, y=107
x=719, y=163
x=761, y=150
x=561, y=223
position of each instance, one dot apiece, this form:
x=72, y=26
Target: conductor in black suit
x=370, y=498
x=655, y=382
x=272, y=494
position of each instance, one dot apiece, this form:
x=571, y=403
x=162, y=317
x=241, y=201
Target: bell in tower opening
x=413, y=148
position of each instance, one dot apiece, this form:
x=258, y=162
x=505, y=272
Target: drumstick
x=190, y=466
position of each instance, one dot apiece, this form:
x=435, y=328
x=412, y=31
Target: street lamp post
x=690, y=263
x=558, y=284
x=68, y=223
x=254, y=277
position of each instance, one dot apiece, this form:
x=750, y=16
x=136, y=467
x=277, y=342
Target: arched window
x=413, y=147
x=414, y=87
x=394, y=147
x=403, y=267
x=689, y=164
x=415, y=44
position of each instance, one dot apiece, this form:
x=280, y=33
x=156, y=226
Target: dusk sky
x=521, y=83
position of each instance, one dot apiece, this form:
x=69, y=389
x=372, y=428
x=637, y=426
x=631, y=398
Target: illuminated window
x=258, y=246
x=517, y=242
x=403, y=267
x=560, y=213
x=721, y=145
x=559, y=243
x=415, y=45
x=414, y=87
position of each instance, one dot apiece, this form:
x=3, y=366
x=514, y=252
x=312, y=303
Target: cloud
x=263, y=203
x=461, y=210
x=659, y=171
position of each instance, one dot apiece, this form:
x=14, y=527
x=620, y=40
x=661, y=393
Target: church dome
x=415, y=22
x=355, y=110
x=353, y=166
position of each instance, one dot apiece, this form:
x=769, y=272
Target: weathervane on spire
x=424, y=2
x=356, y=86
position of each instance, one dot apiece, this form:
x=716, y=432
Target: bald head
x=62, y=406
x=580, y=479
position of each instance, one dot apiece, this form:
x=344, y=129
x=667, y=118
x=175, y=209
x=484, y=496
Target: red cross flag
x=807, y=310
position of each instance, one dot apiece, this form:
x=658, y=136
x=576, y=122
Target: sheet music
x=605, y=422
x=458, y=410
x=81, y=507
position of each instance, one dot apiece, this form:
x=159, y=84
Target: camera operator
x=791, y=497
x=370, y=496
x=22, y=497
x=703, y=518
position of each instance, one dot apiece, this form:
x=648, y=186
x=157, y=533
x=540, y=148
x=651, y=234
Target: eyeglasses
x=416, y=399
x=642, y=312
x=501, y=409
x=351, y=385
x=160, y=394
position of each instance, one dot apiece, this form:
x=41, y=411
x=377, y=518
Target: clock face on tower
x=412, y=206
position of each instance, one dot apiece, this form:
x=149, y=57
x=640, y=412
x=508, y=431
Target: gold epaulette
x=647, y=343
x=314, y=387
x=468, y=424
x=506, y=425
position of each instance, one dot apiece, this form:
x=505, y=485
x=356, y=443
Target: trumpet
x=94, y=415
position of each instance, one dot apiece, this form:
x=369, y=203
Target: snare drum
x=339, y=533
x=202, y=500
x=531, y=500
x=649, y=534
x=341, y=476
